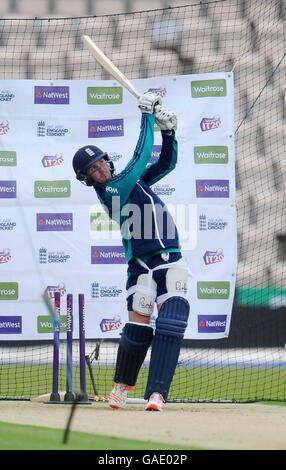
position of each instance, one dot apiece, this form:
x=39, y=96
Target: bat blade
x=106, y=63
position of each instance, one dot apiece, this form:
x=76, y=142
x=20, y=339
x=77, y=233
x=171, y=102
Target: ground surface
x=203, y=425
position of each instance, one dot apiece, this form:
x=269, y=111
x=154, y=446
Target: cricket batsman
x=156, y=270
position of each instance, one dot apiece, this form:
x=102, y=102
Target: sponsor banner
x=10, y=325
x=107, y=255
x=8, y=158
x=56, y=235
x=54, y=222
x=213, y=290
x=208, y=88
x=212, y=188
x=52, y=160
x=7, y=224
x=103, y=291
x=212, y=323
x=6, y=95
x=106, y=128
x=4, y=126
x=104, y=95
x=47, y=129
x=51, y=95
x=212, y=223
x=52, y=188
x=5, y=255
x=45, y=324
x=211, y=154
x=9, y=290
x=110, y=324
x=8, y=189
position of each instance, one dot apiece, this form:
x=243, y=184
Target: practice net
x=214, y=36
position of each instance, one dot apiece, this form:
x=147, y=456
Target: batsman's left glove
x=148, y=101
x=165, y=119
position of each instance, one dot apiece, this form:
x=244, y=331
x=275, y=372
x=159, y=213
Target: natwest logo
x=10, y=325
x=212, y=188
x=52, y=95
x=106, y=128
x=8, y=189
x=107, y=255
x=211, y=323
x=54, y=222
x=156, y=153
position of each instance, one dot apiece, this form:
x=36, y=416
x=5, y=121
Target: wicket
x=69, y=395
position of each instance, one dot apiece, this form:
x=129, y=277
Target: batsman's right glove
x=148, y=101
x=165, y=119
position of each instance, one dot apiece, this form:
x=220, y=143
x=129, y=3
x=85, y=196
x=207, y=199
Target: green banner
x=208, y=88
x=52, y=188
x=45, y=324
x=104, y=95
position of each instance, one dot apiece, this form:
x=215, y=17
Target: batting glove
x=165, y=119
x=148, y=101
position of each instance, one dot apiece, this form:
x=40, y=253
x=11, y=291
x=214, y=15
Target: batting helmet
x=85, y=157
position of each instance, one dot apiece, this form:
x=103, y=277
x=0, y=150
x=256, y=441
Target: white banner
x=53, y=232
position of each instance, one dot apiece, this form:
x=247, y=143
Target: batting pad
x=133, y=347
x=170, y=327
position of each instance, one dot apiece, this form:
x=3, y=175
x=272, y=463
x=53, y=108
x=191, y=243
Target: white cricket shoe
x=118, y=395
x=155, y=403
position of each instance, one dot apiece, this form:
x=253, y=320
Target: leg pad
x=132, y=350
x=170, y=328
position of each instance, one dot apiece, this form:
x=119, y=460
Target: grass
x=22, y=437
x=209, y=384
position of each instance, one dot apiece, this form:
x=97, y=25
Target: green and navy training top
x=145, y=223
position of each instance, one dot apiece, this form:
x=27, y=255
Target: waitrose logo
x=60, y=188
x=213, y=290
x=45, y=324
x=100, y=221
x=104, y=95
x=208, y=88
x=8, y=158
x=8, y=290
x=211, y=154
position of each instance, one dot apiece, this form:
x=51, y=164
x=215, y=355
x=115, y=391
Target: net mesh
x=214, y=36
